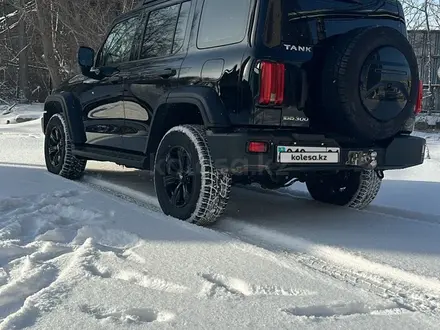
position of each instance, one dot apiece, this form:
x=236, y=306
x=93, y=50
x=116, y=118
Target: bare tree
x=39, y=40
x=24, y=92
x=423, y=16
x=45, y=19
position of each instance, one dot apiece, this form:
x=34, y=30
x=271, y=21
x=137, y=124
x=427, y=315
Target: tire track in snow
x=408, y=290
x=151, y=203
x=126, y=194
x=402, y=214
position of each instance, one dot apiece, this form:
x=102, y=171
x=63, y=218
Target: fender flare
x=71, y=108
x=211, y=107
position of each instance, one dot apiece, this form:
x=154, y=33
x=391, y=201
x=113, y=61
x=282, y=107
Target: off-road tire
x=358, y=190
x=210, y=195
x=70, y=166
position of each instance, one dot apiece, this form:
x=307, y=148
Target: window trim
x=226, y=44
x=117, y=21
x=146, y=17
x=186, y=27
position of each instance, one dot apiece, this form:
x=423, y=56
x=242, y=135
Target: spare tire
x=369, y=83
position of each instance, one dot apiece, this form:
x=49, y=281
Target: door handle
x=168, y=73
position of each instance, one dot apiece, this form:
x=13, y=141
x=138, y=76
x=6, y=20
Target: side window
x=223, y=22
x=181, y=26
x=117, y=47
x=159, y=33
x=165, y=31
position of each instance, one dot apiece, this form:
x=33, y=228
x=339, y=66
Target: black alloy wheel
x=58, y=150
x=56, y=147
x=179, y=177
x=188, y=185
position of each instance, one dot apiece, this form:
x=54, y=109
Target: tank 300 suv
x=208, y=94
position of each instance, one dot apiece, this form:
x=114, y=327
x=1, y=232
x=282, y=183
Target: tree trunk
x=45, y=27
x=24, y=94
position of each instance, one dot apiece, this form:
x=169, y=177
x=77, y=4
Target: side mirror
x=86, y=58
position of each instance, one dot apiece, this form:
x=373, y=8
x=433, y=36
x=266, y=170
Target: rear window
x=285, y=23
x=279, y=29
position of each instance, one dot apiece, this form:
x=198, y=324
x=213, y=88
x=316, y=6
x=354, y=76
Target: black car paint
x=118, y=114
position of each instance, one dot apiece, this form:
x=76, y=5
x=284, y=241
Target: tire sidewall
x=173, y=139
x=344, y=91
x=321, y=191
x=55, y=121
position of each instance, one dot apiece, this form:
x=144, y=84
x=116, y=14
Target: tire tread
x=73, y=168
x=215, y=187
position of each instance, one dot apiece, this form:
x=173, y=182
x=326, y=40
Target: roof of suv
x=146, y=2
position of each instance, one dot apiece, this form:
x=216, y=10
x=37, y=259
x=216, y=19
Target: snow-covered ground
x=13, y=114
x=99, y=254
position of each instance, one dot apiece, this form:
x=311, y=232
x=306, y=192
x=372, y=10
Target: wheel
x=354, y=189
x=369, y=83
x=187, y=184
x=58, y=150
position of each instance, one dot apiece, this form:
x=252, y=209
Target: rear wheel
x=188, y=186
x=354, y=189
x=58, y=150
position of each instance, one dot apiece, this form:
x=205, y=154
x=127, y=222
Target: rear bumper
x=229, y=151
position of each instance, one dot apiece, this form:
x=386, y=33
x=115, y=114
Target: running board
x=118, y=157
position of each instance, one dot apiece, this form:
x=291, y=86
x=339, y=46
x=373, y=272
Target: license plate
x=308, y=155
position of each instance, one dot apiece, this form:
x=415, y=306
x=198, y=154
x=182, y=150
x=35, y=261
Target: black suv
x=210, y=93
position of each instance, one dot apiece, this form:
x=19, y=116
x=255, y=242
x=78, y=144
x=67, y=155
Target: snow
x=99, y=254
x=13, y=114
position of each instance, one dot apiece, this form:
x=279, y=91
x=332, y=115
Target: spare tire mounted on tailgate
x=370, y=83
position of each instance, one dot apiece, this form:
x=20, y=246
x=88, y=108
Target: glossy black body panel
x=229, y=152
x=144, y=89
x=148, y=81
x=103, y=113
x=301, y=43
x=124, y=116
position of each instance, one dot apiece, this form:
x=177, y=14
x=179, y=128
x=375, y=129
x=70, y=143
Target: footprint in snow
x=133, y=315
x=32, y=278
x=217, y=285
x=150, y=282
x=92, y=265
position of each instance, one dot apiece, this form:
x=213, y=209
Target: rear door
x=299, y=34
x=102, y=100
x=161, y=53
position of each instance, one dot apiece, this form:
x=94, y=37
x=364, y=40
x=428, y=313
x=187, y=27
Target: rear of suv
x=209, y=93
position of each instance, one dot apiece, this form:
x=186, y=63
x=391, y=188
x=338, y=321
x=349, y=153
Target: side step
x=118, y=157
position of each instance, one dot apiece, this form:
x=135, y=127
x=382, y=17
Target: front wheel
x=188, y=186
x=354, y=189
x=58, y=153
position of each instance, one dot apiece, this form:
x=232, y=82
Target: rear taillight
x=419, y=101
x=271, y=83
